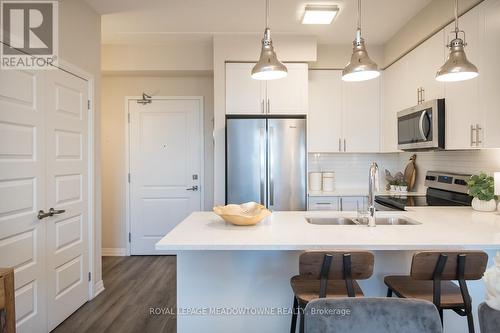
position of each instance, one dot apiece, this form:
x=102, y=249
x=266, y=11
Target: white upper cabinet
x=324, y=120
x=489, y=73
x=289, y=95
x=245, y=95
x=423, y=63
x=462, y=98
x=343, y=116
x=394, y=99
x=361, y=116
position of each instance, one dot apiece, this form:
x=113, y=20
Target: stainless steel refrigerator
x=266, y=161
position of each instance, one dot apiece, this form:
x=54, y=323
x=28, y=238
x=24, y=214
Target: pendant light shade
x=361, y=67
x=457, y=67
x=268, y=67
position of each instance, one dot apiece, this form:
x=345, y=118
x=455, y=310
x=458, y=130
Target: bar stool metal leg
x=295, y=309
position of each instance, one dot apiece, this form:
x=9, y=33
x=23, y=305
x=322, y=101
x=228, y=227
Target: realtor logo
x=29, y=34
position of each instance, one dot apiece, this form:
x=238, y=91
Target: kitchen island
x=236, y=279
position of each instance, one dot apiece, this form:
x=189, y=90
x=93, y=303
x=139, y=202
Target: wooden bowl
x=249, y=213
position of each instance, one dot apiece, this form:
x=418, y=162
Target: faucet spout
x=372, y=187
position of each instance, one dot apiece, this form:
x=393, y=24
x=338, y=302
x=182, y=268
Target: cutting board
x=410, y=174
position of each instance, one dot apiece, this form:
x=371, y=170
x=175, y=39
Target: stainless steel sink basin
x=390, y=220
x=330, y=221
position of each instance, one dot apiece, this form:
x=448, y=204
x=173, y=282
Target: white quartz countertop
x=441, y=228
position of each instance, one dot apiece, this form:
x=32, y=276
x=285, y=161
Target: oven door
x=419, y=127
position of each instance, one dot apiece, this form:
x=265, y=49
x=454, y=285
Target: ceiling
x=166, y=21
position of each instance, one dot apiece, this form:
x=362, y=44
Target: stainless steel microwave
x=422, y=127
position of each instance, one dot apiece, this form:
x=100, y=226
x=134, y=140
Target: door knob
x=193, y=188
x=41, y=214
x=53, y=211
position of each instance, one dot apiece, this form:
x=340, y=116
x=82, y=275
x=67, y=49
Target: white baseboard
x=98, y=287
x=114, y=252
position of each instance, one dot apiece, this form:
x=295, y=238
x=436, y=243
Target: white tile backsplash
x=351, y=170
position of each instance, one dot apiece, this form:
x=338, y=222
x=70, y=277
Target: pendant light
x=457, y=67
x=361, y=67
x=268, y=67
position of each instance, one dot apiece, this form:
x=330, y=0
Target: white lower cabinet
x=346, y=203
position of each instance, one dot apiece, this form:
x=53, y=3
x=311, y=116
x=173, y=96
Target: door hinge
x=128, y=116
x=88, y=104
x=128, y=177
x=90, y=276
x=130, y=237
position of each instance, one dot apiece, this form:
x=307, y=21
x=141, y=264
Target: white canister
x=328, y=181
x=315, y=181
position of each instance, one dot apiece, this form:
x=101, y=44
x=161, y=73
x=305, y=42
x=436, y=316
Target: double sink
x=392, y=220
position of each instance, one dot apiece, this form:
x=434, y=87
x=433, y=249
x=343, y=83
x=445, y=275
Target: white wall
x=80, y=45
x=114, y=90
x=334, y=56
x=179, y=56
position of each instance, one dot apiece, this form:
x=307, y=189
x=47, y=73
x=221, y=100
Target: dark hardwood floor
x=133, y=286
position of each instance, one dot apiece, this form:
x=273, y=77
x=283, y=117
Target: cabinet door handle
x=344, y=145
x=268, y=106
x=422, y=94
x=340, y=144
x=472, y=129
x=262, y=107
x=418, y=95
x=478, y=129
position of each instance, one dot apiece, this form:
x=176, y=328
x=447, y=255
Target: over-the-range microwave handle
x=421, y=125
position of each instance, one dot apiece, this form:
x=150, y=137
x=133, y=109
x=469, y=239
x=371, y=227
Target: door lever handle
x=53, y=211
x=41, y=214
x=193, y=188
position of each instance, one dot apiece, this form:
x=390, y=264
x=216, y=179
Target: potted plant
x=481, y=187
x=393, y=185
x=403, y=186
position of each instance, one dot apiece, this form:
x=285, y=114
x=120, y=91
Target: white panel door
x=361, y=116
x=165, y=165
x=244, y=95
x=325, y=109
x=289, y=95
x=22, y=190
x=66, y=178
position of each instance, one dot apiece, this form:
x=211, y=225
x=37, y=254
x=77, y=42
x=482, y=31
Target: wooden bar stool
x=430, y=279
x=328, y=274
x=7, y=309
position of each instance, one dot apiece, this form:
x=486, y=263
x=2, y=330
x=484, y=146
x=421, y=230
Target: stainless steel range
x=443, y=189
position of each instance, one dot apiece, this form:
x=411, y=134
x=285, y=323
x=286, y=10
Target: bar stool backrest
x=426, y=263
x=312, y=262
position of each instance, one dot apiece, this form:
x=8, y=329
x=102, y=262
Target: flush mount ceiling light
x=268, y=67
x=361, y=67
x=319, y=14
x=457, y=67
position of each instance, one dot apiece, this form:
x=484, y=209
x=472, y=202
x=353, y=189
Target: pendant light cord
x=456, y=19
x=358, y=29
x=267, y=13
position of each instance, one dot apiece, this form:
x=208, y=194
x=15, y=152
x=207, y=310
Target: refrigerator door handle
x=262, y=145
x=271, y=178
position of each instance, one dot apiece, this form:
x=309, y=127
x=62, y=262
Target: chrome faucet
x=372, y=187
